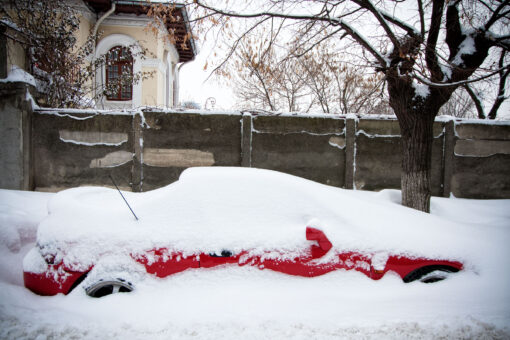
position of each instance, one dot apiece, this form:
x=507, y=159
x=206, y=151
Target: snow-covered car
x=229, y=216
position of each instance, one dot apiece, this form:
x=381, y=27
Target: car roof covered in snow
x=214, y=208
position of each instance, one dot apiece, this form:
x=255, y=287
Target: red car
x=59, y=279
x=63, y=260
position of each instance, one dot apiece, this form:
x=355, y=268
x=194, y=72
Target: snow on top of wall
x=460, y=121
x=16, y=74
x=66, y=111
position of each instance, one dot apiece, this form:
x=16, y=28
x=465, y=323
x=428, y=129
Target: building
x=124, y=24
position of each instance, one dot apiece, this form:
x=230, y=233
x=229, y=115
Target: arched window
x=119, y=74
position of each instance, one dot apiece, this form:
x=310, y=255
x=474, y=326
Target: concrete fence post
x=137, y=169
x=350, y=152
x=15, y=136
x=448, y=152
x=246, y=135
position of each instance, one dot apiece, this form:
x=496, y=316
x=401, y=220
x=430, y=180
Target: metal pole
x=123, y=197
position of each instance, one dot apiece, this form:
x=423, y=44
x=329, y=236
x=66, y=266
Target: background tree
x=261, y=76
x=338, y=85
x=425, y=50
x=265, y=76
x=460, y=105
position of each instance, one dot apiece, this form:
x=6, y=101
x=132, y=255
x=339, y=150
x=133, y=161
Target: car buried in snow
x=212, y=217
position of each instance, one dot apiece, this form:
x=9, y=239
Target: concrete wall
x=481, y=160
x=148, y=150
x=15, y=126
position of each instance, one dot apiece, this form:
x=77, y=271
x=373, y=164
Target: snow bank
x=20, y=213
x=234, y=302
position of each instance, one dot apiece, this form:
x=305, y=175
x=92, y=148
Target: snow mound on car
x=211, y=209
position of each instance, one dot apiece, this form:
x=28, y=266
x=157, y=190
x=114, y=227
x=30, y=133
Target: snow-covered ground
x=234, y=302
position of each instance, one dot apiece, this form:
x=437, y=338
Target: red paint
x=404, y=265
x=161, y=263
x=49, y=283
x=324, y=246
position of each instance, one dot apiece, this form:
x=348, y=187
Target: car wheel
x=430, y=274
x=106, y=287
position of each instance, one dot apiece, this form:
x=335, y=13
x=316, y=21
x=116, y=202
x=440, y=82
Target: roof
x=181, y=27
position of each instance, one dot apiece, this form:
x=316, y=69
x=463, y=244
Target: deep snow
x=234, y=302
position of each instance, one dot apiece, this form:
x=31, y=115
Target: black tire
x=106, y=287
x=419, y=273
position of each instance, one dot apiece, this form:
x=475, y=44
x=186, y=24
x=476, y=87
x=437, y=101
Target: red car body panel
x=50, y=284
x=160, y=263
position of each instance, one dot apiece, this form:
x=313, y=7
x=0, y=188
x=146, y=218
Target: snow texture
x=16, y=74
x=421, y=90
x=467, y=47
x=234, y=302
x=72, y=141
x=211, y=209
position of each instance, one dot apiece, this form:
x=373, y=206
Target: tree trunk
x=417, y=137
x=416, y=118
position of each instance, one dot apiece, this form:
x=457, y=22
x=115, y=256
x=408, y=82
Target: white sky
x=194, y=87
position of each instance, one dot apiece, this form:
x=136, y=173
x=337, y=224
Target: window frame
x=120, y=64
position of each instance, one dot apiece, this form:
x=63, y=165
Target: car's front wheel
x=106, y=287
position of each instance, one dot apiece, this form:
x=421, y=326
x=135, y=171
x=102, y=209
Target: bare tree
x=263, y=78
x=340, y=86
x=424, y=49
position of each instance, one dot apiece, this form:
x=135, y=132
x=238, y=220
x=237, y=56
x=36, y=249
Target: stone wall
x=150, y=149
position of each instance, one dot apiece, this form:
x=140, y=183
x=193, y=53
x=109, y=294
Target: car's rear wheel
x=106, y=287
x=430, y=274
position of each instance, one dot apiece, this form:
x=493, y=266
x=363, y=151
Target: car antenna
x=123, y=197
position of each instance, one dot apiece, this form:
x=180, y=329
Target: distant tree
x=460, y=105
x=338, y=85
x=264, y=76
x=263, y=79
x=425, y=50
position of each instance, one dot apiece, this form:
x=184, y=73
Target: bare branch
x=422, y=18
x=233, y=48
x=458, y=83
x=430, y=48
x=363, y=42
x=367, y=4
x=476, y=100
x=496, y=14
x=503, y=75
